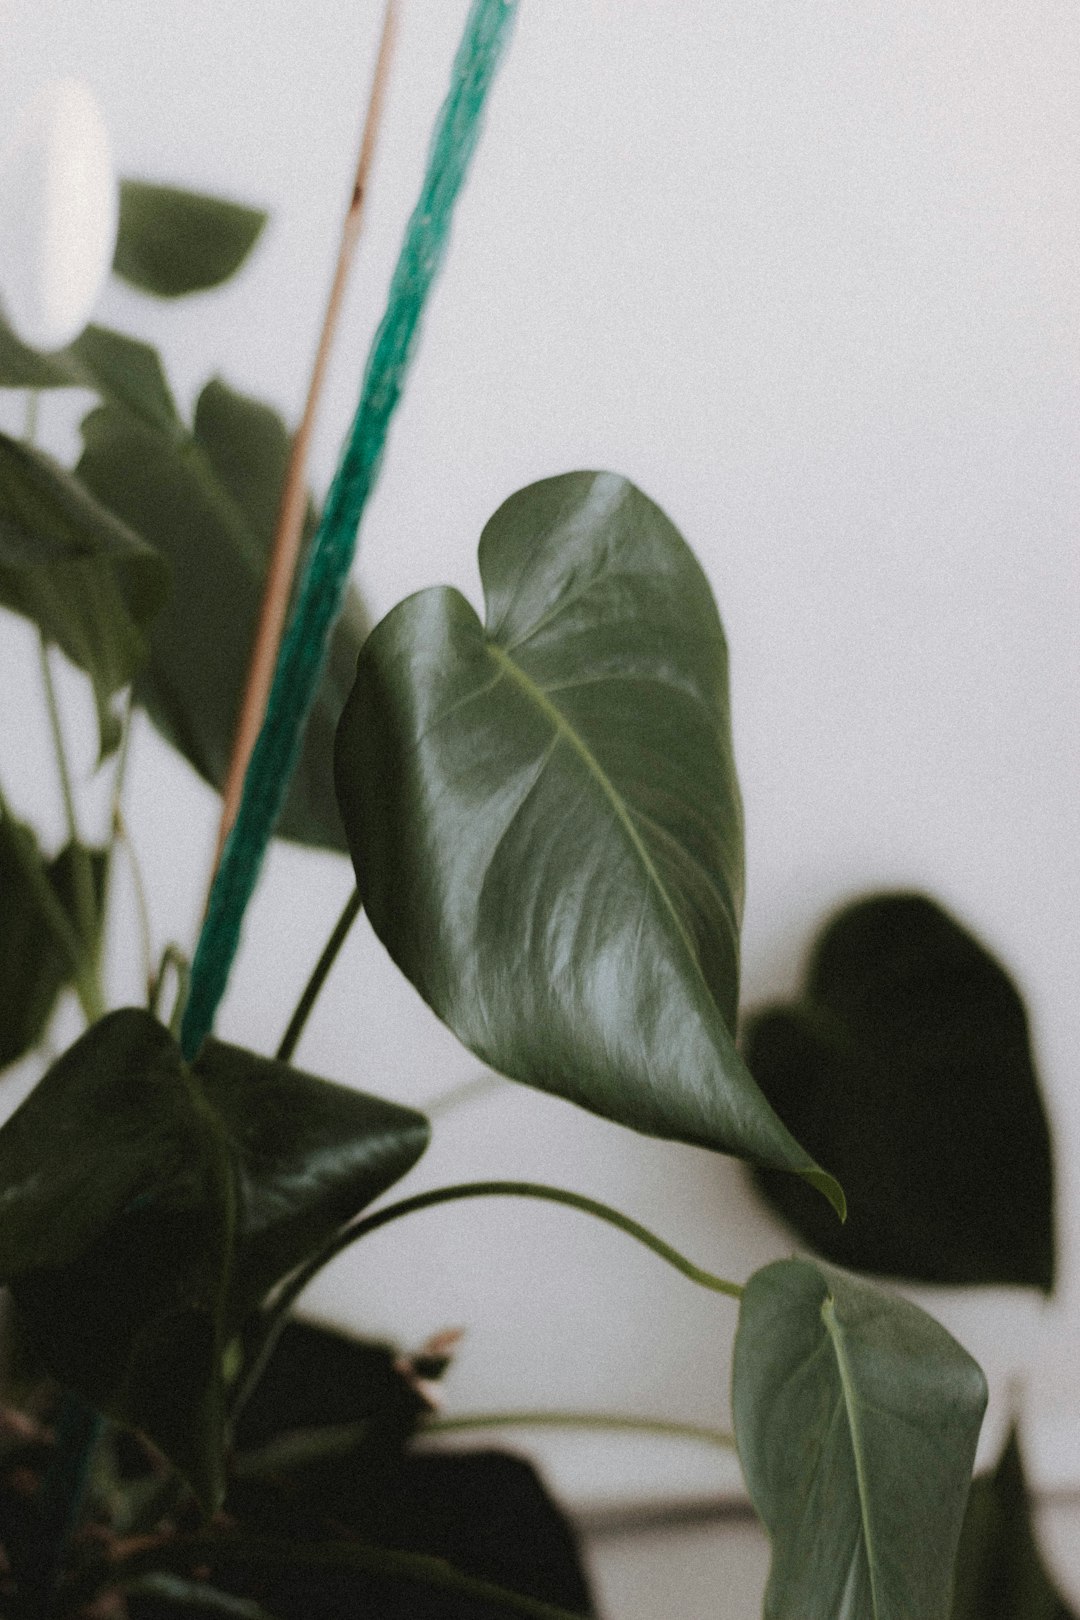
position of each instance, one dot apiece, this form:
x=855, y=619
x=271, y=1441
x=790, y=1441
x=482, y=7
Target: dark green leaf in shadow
x=108, y=363
x=309, y=1155
x=146, y=1211
x=172, y=241
x=34, y=964
x=1000, y=1574
x=209, y=503
x=908, y=1062
x=545, y=820
x=117, y=1238
x=856, y=1417
x=67, y=564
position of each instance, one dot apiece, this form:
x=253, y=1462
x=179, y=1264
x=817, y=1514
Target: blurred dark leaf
x=172, y=241
x=209, y=504
x=34, y=966
x=907, y=1065
x=67, y=564
x=1000, y=1574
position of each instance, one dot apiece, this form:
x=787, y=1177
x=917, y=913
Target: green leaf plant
x=545, y=826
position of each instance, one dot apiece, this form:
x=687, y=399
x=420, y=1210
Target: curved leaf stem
x=318, y=978
x=278, y=1312
x=116, y=829
x=502, y=1189
x=610, y=1422
x=184, y=1554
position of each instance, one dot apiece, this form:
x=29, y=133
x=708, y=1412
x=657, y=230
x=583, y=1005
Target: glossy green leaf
x=1000, y=1574
x=545, y=821
x=109, y=363
x=908, y=1061
x=74, y=570
x=172, y=241
x=856, y=1417
x=308, y=1154
x=34, y=964
x=208, y=503
x=148, y=1205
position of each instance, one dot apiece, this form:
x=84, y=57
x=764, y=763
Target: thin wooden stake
x=290, y=524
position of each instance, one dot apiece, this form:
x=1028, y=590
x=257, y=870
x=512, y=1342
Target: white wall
x=809, y=274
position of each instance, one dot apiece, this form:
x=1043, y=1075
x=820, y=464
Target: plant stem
x=285, y=553
x=85, y=902
x=121, y=835
x=277, y=1314
x=502, y=1189
x=318, y=977
x=185, y=1554
x=606, y=1421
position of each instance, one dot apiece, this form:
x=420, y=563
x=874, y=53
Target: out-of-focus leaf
x=856, y=1417
x=908, y=1061
x=117, y=367
x=127, y=372
x=79, y=574
x=545, y=821
x=209, y=504
x=148, y=1204
x=1000, y=1574
x=173, y=241
x=34, y=966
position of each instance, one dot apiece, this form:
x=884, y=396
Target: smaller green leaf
x=172, y=241
x=1000, y=1574
x=149, y=1205
x=856, y=1417
x=34, y=964
x=70, y=567
x=908, y=1062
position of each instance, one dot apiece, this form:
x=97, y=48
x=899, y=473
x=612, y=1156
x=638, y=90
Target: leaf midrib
x=564, y=729
x=851, y=1404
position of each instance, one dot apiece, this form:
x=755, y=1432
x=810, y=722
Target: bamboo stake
x=285, y=554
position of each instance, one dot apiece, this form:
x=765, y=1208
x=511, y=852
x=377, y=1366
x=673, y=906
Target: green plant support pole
x=303, y=651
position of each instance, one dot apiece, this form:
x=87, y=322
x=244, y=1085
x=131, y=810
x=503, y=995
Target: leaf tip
x=828, y=1185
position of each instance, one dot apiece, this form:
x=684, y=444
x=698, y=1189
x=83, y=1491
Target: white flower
x=58, y=215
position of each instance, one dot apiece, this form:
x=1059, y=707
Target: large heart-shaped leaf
x=208, y=503
x=34, y=963
x=172, y=241
x=545, y=820
x=1000, y=1574
x=148, y=1205
x=856, y=1417
x=908, y=1060
x=74, y=570
x=109, y=363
